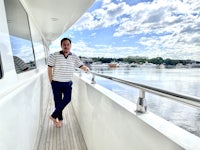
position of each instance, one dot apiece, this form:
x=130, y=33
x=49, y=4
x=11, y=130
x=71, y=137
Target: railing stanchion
x=80, y=74
x=93, y=79
x=141, y=103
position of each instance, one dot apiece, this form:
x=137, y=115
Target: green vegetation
x=141, y=60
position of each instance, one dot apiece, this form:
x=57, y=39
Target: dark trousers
x=62, y=96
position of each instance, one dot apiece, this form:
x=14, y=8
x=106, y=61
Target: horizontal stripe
x=63, y=68
x=20, y=65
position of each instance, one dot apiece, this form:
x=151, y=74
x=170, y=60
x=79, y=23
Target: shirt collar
x=61, y=52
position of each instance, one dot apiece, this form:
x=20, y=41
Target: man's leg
x=57, y=94
x=66, y=89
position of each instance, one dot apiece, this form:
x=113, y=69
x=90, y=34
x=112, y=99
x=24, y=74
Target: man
x=61, y=66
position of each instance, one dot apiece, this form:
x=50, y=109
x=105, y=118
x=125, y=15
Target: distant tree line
x=140, y=60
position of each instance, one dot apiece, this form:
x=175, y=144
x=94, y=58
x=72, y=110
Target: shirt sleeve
x=78, y=62
x=51, y=60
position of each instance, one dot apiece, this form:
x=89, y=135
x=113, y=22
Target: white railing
x=109, y=121
x=141, y=104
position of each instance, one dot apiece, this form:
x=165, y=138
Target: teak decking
x=68, y=137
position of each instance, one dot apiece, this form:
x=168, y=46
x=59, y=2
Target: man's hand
x=85, y=68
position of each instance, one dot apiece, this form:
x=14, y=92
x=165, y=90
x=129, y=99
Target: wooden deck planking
x=68, y=137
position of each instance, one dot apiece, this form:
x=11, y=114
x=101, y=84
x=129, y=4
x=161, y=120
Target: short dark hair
x=65, y=39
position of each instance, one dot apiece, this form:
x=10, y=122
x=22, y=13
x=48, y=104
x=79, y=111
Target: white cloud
x=175, y=23
x=55, y=46
x=167, y=47
x=174, y=27
x=101, y=18
x=25, y=53
x=93, y=34
x=83, y=49
x=157, y=17
x=106, y=2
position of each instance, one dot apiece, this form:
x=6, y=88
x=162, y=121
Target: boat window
x=39, y=46
x=20, y=37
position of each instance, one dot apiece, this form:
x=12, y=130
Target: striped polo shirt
x=63, y=67
x=20, y=65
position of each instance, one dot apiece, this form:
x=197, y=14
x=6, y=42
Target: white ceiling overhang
x=54, y=17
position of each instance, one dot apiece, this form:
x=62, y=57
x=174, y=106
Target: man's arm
x=85, y=68
x=50, y=73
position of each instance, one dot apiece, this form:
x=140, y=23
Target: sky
x=146, y=28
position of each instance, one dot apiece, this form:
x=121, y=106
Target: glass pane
x=20, y=36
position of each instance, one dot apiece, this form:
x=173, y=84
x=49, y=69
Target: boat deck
x=68, y=137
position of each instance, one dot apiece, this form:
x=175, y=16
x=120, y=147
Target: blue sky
x=149, y=28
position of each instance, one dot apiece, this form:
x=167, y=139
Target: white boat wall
x=27, y=28
x=107, y=121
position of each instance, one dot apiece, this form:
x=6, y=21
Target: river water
x=185, y=81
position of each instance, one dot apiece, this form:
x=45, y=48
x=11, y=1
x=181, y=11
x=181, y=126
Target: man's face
x=66, y=46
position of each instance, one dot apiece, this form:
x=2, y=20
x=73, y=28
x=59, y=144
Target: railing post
x=80, y=74
x=141, y=103
x=93, y=79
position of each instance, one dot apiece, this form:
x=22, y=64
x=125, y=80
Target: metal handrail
x=141, y=104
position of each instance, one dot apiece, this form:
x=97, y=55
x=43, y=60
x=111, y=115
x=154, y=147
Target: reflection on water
x=184, y=81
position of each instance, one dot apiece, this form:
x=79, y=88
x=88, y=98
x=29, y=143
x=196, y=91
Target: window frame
x=1, y=68
x=26, y=23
